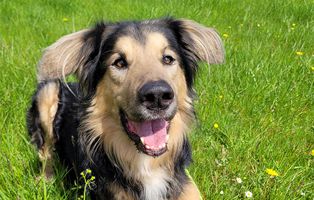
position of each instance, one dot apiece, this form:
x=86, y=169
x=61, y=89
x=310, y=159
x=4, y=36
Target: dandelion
x=225, y=35
x=64, y=19
x=238, y=180
x=300, y=53
x=271, y=172
x=216, y=126
x=312, y=152
x=248, y=194
x=221, y=192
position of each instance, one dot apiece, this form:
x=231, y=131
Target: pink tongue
x=153, y=132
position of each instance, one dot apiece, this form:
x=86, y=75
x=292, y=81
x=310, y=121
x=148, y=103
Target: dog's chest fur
x=144, y=183
x=154, y=186
x=155, y=182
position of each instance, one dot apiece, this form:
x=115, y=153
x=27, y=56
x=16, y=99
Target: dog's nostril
x=167, y=96
x=149, y=97
x=157, y=95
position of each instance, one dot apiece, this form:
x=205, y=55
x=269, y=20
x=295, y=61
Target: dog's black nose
x=156, y=95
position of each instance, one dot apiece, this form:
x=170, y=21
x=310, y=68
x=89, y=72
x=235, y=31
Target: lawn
x=255, y=111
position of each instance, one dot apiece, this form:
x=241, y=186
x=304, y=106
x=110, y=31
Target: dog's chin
x=150, y=136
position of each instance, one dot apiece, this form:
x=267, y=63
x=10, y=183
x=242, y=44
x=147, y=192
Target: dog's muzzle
x=148, y=125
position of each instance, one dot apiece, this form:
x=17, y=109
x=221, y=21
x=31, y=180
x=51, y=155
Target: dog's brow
x=168, y=47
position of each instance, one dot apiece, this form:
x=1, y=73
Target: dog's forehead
x=154, y=41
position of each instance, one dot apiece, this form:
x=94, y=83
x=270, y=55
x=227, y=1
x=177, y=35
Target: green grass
x=262, y=97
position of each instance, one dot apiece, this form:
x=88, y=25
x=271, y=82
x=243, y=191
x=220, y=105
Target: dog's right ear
x=63, y=57
x=70, y=54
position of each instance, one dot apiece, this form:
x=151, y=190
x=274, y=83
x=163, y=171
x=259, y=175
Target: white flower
x=238, y=180
x=248, y=194
x=302, y=193
x=221, y=192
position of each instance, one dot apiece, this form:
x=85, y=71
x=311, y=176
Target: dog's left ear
x=203, y=43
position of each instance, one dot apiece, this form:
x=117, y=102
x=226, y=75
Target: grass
x=261, y=99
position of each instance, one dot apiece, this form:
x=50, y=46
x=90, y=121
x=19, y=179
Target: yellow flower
x=271, y=172
x=216, y=125
x=225, y=35
x=88, y=171
x=221, y=96
x=312, y=68
x=64, y=19
x=300, y=53
x=312, y=152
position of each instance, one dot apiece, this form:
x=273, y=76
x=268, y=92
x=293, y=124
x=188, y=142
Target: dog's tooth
x=167, y=138
x=162, y=146
x=147, y=147
x=142, y=140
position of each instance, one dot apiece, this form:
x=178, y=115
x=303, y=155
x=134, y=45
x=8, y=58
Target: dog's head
x=138, y=74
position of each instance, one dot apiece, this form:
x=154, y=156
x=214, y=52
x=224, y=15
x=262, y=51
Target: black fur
x=73, y=103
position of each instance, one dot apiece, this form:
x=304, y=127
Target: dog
x=127, y=117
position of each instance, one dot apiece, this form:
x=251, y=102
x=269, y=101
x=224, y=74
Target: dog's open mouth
x=150, y=136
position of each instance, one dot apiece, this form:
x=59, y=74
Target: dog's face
x=147, y=84
x=140, y=74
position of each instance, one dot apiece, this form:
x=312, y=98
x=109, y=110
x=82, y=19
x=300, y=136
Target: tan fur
x=47, y=106
x=190, y=192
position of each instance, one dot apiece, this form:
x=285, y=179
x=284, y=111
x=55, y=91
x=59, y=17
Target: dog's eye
x=120, y=63
x=168, y=60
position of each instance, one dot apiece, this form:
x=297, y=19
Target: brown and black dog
x=128, y=116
